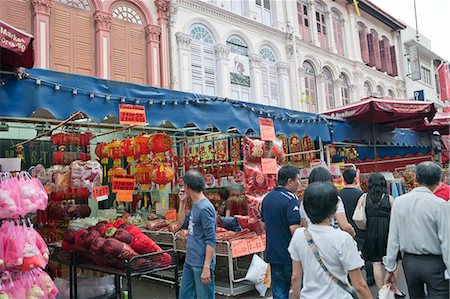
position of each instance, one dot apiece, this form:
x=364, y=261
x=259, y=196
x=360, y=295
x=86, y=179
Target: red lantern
x=102, y=152
x=60, y=139
x=141, y=144
x=128, y=148
x=116, y=171
x=162, y=175
x=142, y=173
x=85, y=138
x=115, y=151
x=160, y=143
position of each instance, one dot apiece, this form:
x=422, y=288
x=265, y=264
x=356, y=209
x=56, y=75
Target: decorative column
x=153, y=33
x=358, y=77
x=331, y=37
x=354, y=93
x=174, y=63
x=303, y=104
x=321, y=94
x=184, y=60
x=351, y=35
x=223, y=70
x=41, y=24
x=278, y=16
x=102, y=39
x=283, y=84
x=313, y=23
x=163, y=7
x=255, y=77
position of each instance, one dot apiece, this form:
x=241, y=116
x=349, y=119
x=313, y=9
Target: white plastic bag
x=386, y=293
x=256, y=274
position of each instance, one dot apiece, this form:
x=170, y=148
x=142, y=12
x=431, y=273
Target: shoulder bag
x=359, y=215
x=349, y=289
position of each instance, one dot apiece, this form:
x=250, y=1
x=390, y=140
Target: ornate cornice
x=42, y=6
x=162, y=6
x=183, y=40
x=153, y=33
x=283, y=68
x=222, y=50
x=103, y=20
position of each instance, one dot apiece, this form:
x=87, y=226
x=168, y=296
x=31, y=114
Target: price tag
x=255, y=244
x=122, y=184
x=266, y=129
x=269, y=166
x=239, y=248
x=100, y=193
x=132, y=115
x=171, y=215
x=263, y=240
x=124, y=196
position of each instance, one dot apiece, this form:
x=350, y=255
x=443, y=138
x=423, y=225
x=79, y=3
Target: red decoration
x=102, y=152
x=159, y=143
x=142, y=147
x=128, y=148
x=162, y=174
x=115, y=151
x=116, y=171
x=142, y=173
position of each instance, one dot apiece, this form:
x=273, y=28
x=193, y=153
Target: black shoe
x=401, y=295
x=370, y=281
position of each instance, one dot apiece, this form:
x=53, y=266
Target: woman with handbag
x=376, y=205
x=324, y=257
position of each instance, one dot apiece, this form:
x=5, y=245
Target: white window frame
x=329, y=84
x=208, y=71
x=426, y=75
x=269, y=73
x=345, y=89
x=237, y=91
x=264, y=11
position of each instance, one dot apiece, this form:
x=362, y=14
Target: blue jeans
x=192, y=286
x=281, y=280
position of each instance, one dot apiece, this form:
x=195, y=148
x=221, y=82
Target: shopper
x=198, y=270
x=443, y=191
x=420, y=229
x=320, y=251
x=280, y=213
x=350, y=195
x=224, y=207
x=321, y=174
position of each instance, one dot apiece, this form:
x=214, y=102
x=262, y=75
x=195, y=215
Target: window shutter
x=210, y=70
x=273, y=81
x=387, y=53
x=329, y=94
x=83, y=50
x=137, y=72
x=61, y=46
x=383, y=56
x=196, y=67
x=303, y=22
x=376, y=51
x=393, y=62
x=265, y=82
x=16, y=13
x=119, y=61
x=363, y=43
x=338, y=37
x=370, y=42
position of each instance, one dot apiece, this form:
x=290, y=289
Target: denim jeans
x=192, y=286
x=281, y=280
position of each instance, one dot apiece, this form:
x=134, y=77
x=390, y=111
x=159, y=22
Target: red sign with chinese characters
x=266, y=129
x=122, y=184
x=100, y=193
x=132, y=115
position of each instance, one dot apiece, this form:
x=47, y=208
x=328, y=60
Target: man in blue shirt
x=198, y=270
x=281, y=214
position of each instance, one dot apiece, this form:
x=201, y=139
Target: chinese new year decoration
x=128, y=149
x=115, y=151
x=162, y=175
x=142, y=146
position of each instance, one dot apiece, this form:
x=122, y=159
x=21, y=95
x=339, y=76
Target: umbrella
x=16, y=48
x=440, y=123
x=388, y=112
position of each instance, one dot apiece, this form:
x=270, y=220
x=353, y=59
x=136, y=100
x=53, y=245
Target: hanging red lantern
x=60, y=139
x=159, y=143
x=102, y=152
x=142, y=173
x=162, y=175
x=58, y=157
x=141, y=144
x=115, y=151
x=85, y=138
x=128, y=148
x=116, y=171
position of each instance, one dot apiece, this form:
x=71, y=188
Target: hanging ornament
x=161, y=175
x=159, y=143
x=142, y=147
x=116, y=171
x=129, y=149
x=115, y=151
x=142, y=173
x=102, y=152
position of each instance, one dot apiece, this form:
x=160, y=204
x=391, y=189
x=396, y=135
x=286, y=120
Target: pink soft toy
x=8, y=207
x=35, y=292
x=45, y=283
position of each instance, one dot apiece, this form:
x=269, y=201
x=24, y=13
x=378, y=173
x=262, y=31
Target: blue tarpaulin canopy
x=62, y=94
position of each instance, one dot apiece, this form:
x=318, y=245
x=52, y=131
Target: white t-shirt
x=337, y=251
x=339, y=209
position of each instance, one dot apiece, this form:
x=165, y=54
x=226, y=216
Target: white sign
x=414, y=63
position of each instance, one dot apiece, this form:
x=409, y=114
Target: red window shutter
x=338, y=36
x=370, y=42
x=394, y=71
x=364, y=46
x=376, y=51
x=383, y=56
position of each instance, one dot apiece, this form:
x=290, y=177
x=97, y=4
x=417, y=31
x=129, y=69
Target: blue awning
x=62, y=94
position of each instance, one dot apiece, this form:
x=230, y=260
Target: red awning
x=16, y=48
x=396, y=113
x=440, y=123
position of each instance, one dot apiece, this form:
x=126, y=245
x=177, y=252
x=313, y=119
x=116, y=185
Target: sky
x=433, y=20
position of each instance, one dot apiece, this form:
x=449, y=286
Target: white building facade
x=308, y=55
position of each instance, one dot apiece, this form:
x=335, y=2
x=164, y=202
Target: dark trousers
x=367, y=264
x=426, y=270
x=281, y=280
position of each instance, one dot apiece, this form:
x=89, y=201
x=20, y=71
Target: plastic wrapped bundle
x=123, y=236
x=97, y=246
x=113, y=248
x=134, y=230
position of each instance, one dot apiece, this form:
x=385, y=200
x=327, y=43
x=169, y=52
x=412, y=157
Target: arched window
x=239, y=69
x=338, y=26
x=322, y=30
x=264, y=11
x=380, y=91
x=368, y=89
x=345, y=89
x=203, y=61
x=303, y=20
x=391, y=94
x=362, y=32
x=329, y=88
x=72, y=47
x=269, y=74
x=128, y=46
x=310, y=86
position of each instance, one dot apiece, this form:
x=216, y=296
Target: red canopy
x=16, y=48
x=396, y=113
x=440, y=123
